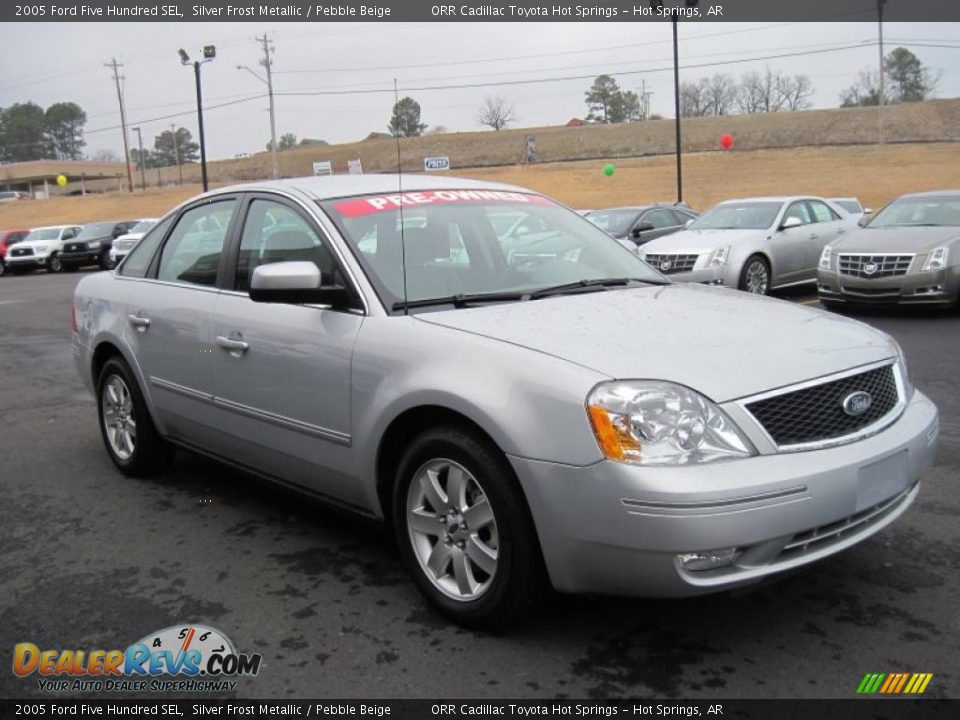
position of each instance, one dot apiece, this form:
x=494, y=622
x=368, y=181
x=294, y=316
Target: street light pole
x=275, y=166
x=676, y=105
x=143, y=177
x=209, y=53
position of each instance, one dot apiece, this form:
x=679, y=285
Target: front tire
x=755, y=276
x=464, y=529
x=53, y=264
x=128, y=432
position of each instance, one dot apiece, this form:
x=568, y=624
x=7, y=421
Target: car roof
x=772, y=198
x=933, y=193
x=333, y=186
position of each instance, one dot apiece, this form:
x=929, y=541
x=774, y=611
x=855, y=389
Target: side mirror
x=791, y=222
x=641, y=227
x=296, y=283
x=862, y=221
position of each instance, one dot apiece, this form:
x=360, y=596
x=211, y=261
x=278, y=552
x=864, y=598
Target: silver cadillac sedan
x=567, y=417
x=755, y=244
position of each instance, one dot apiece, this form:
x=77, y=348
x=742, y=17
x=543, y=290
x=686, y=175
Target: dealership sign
x=436, y=163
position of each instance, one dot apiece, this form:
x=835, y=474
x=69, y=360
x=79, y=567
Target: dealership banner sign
x=258, y=11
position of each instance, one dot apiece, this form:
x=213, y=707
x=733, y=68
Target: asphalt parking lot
x=91, y=559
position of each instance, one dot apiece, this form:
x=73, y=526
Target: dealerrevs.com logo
x=182, y=658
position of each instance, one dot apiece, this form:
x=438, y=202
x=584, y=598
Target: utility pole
x=267, y=65
x=123, y=119
x=143, y=177
x=880, y=4
x=645, y=100
x=176, y=150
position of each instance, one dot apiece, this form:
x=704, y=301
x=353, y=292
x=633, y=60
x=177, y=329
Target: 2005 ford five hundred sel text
x=521, y=412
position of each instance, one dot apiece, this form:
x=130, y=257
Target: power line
x=534, y=81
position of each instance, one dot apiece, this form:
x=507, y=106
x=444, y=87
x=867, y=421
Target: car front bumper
x=706, y=276
x=87, y=257
x=938, y=287
x=620, y=529
x=29, y=262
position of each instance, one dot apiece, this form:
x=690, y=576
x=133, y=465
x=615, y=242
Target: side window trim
x=240, y=220
x=154, y=268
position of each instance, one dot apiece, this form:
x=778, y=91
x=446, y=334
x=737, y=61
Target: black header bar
x=314, y=11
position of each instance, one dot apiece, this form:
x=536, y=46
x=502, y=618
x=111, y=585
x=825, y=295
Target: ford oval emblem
x=856, y=404
x=666, y=265
x=870, y=268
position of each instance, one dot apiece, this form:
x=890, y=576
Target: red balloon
x=726, y=140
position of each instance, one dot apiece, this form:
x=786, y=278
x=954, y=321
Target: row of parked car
x=69, y=247
x=900, y=255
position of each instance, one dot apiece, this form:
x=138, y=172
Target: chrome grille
x=124, y=244
x=873, y=266
x=816, y=413
x=670, y=263
x=20, y=252
x=73, y=247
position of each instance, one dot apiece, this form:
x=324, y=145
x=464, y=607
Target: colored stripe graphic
x=894, y=683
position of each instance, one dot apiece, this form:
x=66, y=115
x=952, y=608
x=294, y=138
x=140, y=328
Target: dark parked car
x=640, y=224
x=92, y=245
x=8, y=238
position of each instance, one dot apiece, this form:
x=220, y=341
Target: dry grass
x=874, y=174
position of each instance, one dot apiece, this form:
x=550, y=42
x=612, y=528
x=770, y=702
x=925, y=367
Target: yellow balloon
x=61, y=180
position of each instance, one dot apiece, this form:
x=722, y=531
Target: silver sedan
x=526, y=420
x=756, y=244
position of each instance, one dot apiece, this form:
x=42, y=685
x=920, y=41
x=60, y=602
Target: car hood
x=897, y=239
x=724, y=343
x=701, y=240
x=131, y=236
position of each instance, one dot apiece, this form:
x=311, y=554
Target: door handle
x=139, y=322
x=236, y=347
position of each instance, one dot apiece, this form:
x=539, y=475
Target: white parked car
x=754, y=244
x=127, y=242
x=41, y=249
x=853, y=206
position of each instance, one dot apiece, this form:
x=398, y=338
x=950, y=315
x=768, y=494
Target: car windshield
x=477, y=242
x=757, y=215
x=927, y=210
x=95, y=230
x=851, y=206
x=44, y=234
x=615, y=222
x=142, y=226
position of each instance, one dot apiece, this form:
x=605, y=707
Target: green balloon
x=608, y=170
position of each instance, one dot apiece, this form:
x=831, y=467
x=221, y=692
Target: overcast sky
x=51, y=62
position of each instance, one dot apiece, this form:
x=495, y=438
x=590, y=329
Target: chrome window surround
x=895, y=412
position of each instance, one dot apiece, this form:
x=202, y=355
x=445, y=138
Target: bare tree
x=693, y=99
x=720, y=94
x=794, y=92
x=864, y=92
x=496, y=112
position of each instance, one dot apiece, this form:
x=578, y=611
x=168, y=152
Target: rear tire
x=128, y=432
x=3, y=268
x=464, y=529
x=755, y=276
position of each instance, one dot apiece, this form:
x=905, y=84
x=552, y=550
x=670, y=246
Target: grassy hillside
x=873, y=173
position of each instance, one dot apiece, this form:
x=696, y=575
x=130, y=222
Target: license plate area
x=882, y=480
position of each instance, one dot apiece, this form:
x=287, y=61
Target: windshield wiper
x=598, y=283
x=462, y=300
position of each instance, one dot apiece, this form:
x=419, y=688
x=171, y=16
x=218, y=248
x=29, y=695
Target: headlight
x=904, y=371
x=93, y=245
x=659, y=423
x=936, y=260
x=718, y=258
x=825, y=258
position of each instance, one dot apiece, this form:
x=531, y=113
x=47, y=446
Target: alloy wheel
x=758, y=279
x=452, y=529
x=118, y=422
